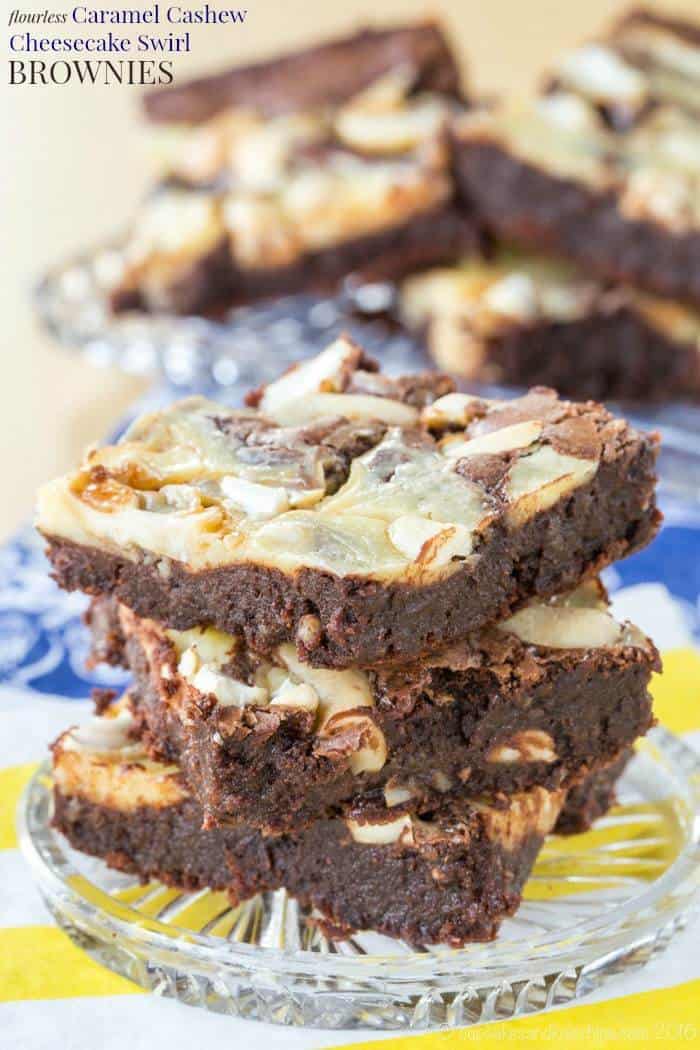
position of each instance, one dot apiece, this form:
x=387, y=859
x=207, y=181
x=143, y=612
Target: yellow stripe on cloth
x=12, y=784
x=676, y=691
x=41, y=962
x=666, y=1017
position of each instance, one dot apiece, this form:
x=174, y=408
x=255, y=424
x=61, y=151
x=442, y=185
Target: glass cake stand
x=246, y=346
x=597, y=904
x=243, y=346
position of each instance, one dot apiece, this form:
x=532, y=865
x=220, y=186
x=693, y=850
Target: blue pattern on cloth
x=43, y=642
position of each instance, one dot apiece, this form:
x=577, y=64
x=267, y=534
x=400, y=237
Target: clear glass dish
x=244, y=346
x=248, y=345
x=597, y=904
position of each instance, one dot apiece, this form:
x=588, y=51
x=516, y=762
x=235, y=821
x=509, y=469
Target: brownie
x=445, y=880
x=525, y=320
x=315, y=77
x=277, y=181
x=157, y=842
x=214, y=280
x=449, y=878
x=602, y=169
x=112, y=801
x=358, y=516
x=592, y=797
x=646, y=61
x=543, y=699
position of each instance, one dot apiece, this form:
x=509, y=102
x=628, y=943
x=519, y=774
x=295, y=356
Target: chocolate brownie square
x=357, y=516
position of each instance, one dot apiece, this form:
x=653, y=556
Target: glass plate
x=244, y=346
x=248, y=345
x=597, y=904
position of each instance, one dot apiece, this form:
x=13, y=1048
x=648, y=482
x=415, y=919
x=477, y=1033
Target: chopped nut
x=372, y=756
x=441, y=782
x=513, y=296
x=560, y=627
x=505, y=439
x=452, y=410
x=381, y=834
x=426, y=541
x=309, y=632
x=164, y=568
x=601, y=74
x=324, y=372
x=537, y=481
x=394, y=131
x=350, y=406
x=295, y=695
x=531, y=745
x=666, y=197
x=228, y=691
x=258, y=501
x=189, y=663
x=103, y=733
x=396, y=796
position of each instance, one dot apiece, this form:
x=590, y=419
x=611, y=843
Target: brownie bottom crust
x=154, y=842
x=451, y=892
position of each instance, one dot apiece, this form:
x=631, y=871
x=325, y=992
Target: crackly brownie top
x=104, y=762
x=206, y=674
x=484, y=298
x=620, y=114
x=337, y=469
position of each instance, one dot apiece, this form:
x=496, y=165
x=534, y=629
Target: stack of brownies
x=372, y=661
x=364, y=159
x=597, y=180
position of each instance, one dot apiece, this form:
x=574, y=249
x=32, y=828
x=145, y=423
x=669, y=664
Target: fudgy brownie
x=111, y=800
x=592, y=797
x=526, y=320
x=187, y=282
x=292, y=174
x=448, y=879
x=603, y=168
x=358, y=516
x=543, y=699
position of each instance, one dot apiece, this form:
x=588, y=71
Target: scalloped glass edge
x=251, y=344
x=415, y=990
x=241, y=348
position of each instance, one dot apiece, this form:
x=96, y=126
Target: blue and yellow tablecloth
x=54, y=997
